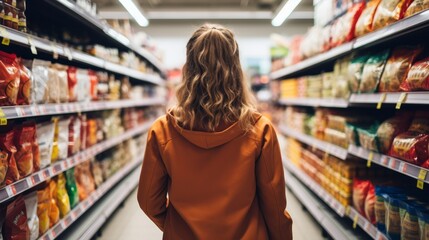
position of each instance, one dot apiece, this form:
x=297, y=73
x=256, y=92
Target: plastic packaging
x=418, y=77
x=8, y=151
x=364, y=24
x=41, y=87
x=393, y=218
x=25, y=83
x=24, y=140
x=84, y=180
x=61, y=139
x=61, y=196
x=15, y=225
x=83, y=86
x=93, y=79
x=54, y=211
x=370, y=203
x=423, y=224
x=53, y=85
x=389, y=129
x=360, y=191
x=32, y=219
x=62, y=77
x=368, y=137
x=355, y=69
x=9, y=79
x=343, y=30
x=372, y=72
x=411, y=146
x=416, y=6
x=74, y=135
x=397, y=67
x=389, y=11
x=45, y=139
x=72, y=83
x=409, y=221
x=43, y=208
x=72, y=187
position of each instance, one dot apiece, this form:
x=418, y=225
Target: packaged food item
x=72, y=83
x=420, y=122
x=389, y=129
x=364, y=23
x=355, y=71
x=389, y=11
x=83, y=131
x=32, y=219
x=43, y=208
x=41, y=87
x=343, y=30
x=74, y=135
x=115, y=88
x=360, y=191
x=409, y=221
x=62, y=77
x=125, y=88
x=93, y=79
x=393, y=218
x=8, y=151
x=54, y=211
x=61, y=139
x=416, y=6
x=45, y=139
x=85, y=181
x=368, y=137
x=91, y=132
x=3, y=165
x=54, y=85
x=62, y=198
x=418, y=77
x=372, y=72
x=22, y=19
x=24, y=93
x=423, y=216
x=24, y=141
x=15, y=225
x=97, y=173
x=72, y=187
x=352, y=134
x=9, y=79
x=397, y=66
x=370, y=203
x=83, y=86
x=411, y=146
x=336, y=137
x=103, y=85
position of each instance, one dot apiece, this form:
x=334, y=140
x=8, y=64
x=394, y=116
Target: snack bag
x=74, y=135
x=370, y=203
x=382, y=192
x=72, y=187
x=3, y=165
x=93, y=79
x=8, y=150
x=24, y=94
x=54, y=211
x=43, y=208
x=62, y=82
x=393, y=218
x=409, y=221
x=85, y=181
x=62, y=198
x=418, y=77
x=360, y=192
x=97, y=172
x=33, y=220
x=417, y=6
x=372, y=72
x=24, y=139
x=423, y=224
x=15, y=225
x=83, y=86
x=9, y=79
x=389, y=129
x=72, y=83
x=368, y=137
x=411, y=147
x=355, y=71
x=40, y=87
x=397, y=67
x=389, y=11
x=83, y=131
x=364, y=23
x=61, y=139
x=54, y=85
x=45, y=139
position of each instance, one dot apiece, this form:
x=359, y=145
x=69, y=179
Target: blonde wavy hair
x=213, y=90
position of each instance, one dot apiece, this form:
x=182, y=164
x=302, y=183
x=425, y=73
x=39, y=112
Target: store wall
x=253, y=39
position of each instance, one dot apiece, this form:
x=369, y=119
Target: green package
x=372, y=72
x=72, y=187
x=355, y=72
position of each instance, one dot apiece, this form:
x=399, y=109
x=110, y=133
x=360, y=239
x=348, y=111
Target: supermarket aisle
x=131, y=223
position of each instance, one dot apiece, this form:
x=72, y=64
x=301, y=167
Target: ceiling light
x=134, y=11
x=287, y=8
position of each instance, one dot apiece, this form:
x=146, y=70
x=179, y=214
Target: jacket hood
x=208, y=140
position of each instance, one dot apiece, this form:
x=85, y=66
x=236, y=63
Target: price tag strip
x=5, y=34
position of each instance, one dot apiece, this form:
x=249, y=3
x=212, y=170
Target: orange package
x=8, y=151
x=43, y=208
x=364, y=24
x=84, y=180
x=94, y=83
x=24, y=94
x=54, y=211
x=343, y=30
x=389, y=11
x=24, y=138
x=9, y=79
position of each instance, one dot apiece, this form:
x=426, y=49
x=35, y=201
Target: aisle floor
x=129, y=222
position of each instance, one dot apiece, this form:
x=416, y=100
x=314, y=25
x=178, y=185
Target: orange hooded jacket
x=225, y=185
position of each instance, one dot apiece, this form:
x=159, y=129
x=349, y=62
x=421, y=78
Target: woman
x=216, y=157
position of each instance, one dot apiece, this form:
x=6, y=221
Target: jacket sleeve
x=271, y=188
x=152, y=190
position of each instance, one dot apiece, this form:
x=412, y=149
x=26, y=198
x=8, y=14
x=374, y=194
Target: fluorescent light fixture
x=135, y=12
x=284, y=12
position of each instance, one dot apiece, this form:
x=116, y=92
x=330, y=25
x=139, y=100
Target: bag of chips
x=85, y=181
x=33, y=220
x=15, y=225
x=370, y=203
x=83, y=131
x=9, y=79
x=355, y=71
x=343, y=30
x=54, y=211
x=74, y=135
x=364, y=23
x=45, y=139
x=97, y=172
x=372, y=72
x=368, y=137
x=389, y=11
x=393, y=218
x=61, y=139
x=417, y=6
x=24, y=94
x=389, y=129
x=72, y=187
x=62, y=198
x=93, y=79
x=423, y=216
x=41, y=87
x=62, y=77
x=409, y=220
x=418, y=77
x=24, y=140
x=43, y=208
x=8, y=151
x=83, y=87
x=72, y=83
x=360, y=191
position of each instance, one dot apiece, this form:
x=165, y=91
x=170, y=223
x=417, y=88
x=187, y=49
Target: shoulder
x=160, y=130
x=262, y=128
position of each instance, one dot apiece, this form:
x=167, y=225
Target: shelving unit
x=342, y=211
x=395, y=30
x=315, y=102
x=36, y=178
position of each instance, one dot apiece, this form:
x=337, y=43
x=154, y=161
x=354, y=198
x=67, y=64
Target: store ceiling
x=204, y=9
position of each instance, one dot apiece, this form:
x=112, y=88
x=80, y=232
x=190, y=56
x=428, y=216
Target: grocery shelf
x=390, y=98
x=391, y=163
x=71, y=7
x=328, y=220
x=315, y=102
x=36, y=178
x=29, y=40
x=123, y=190
x=13, y=112
x=332, y=149
x=400, y=28
x=341, y=210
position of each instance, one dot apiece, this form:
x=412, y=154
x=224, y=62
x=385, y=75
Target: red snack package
x=24, y=140
x=418, y=77
x=15, y=226
x=360, y=191
x=389, y=11
x=72, y=83
x=411, y=146
x=397, y=66
x=93, y=78
x=9, y=79
x=364, y=23
x=24, y=94
x=390, y=128
x=8, y=151
x=343, y=30
x=74, y=135
x=370, y=203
